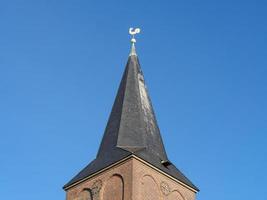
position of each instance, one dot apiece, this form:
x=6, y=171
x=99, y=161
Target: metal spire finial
x=133, y=32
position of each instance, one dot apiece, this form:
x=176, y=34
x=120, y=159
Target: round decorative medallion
x=96, y=186
x=165, y=188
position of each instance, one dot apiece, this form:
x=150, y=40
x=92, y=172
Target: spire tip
x=133, y=32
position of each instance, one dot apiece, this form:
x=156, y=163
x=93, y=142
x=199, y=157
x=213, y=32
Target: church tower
x=131, y=163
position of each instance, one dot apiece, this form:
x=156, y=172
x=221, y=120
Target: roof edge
x=166, y=174
x=66, y=187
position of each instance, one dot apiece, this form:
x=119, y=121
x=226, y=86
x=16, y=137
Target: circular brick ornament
x=165, y=188
x=96, y=187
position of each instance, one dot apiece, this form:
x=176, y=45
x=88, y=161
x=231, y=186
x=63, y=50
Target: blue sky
x=204, y=64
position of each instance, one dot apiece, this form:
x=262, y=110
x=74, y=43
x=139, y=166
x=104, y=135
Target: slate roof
x=132, y=129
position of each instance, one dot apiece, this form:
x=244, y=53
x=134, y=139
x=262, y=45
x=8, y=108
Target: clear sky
x=205, y=64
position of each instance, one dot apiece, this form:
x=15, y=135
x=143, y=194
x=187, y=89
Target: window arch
x=86, y=194
x=113, y=189
x=149, y=188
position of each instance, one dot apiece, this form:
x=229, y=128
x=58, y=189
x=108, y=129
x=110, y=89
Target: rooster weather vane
x=133, y=32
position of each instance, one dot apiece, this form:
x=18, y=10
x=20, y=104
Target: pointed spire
x=132, y=124
x=133, y=51
x=132, y=128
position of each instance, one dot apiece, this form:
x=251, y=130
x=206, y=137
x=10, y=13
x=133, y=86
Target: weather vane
x=133, y=32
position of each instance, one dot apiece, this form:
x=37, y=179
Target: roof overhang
x=123, y=161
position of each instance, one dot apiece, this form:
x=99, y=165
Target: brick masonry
x=132, y=179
